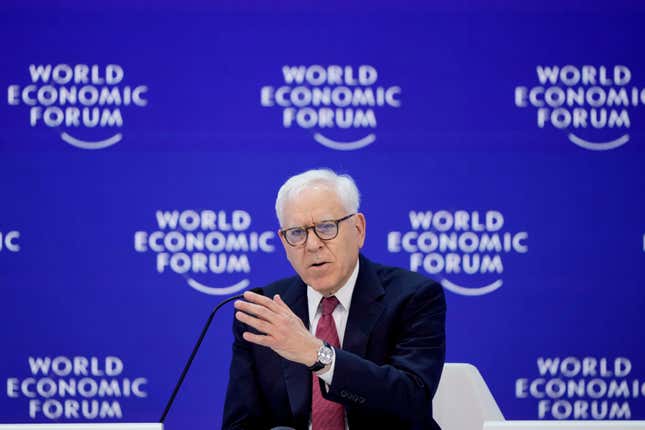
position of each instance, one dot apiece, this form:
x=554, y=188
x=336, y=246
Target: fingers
x=260, y=300
x=278, y=300
x=257, y=339
x=269, y=317
x=263, y=307
x=255, y=310
x=258, y=324
x=272, y=324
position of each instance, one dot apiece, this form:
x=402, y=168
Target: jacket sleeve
x=406, y=383
x=243, y=407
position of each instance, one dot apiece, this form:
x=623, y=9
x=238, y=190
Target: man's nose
x=313, y=242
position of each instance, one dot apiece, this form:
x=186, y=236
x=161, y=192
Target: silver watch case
x=325, y=354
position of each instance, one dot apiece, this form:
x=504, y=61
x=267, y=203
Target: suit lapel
x=364, y=310
x=296, y=376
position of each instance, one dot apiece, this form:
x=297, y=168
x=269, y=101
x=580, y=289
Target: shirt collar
x=344, y=294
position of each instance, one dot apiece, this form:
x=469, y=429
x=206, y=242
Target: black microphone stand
x=192, y=355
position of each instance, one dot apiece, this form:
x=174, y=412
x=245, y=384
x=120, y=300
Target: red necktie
x=326, y=415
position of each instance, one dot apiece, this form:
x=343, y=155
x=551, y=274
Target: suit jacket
x=385, y=374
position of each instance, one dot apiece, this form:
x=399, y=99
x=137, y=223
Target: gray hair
x=344, y=186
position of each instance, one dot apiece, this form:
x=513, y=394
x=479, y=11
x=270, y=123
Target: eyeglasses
x=325, y=230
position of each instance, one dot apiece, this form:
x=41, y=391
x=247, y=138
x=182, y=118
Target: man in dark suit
x=345, y=344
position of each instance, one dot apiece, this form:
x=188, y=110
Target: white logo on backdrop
x=197, y=244
x=586, y=388
x=9, y=241
x=332, y=98
x=76, y=387
x=457, y=243
x=75, y=97
x=583, y=99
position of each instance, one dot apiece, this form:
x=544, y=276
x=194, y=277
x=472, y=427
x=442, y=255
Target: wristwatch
x=325, y=357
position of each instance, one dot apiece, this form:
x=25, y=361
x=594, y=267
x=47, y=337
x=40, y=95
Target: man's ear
x=360, y=226
x=284, y=242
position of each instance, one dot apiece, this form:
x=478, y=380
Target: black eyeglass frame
x=313, y=227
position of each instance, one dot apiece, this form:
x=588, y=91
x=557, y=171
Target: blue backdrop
x=498, y=148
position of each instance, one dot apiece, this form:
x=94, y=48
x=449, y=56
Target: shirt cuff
x=328, y=376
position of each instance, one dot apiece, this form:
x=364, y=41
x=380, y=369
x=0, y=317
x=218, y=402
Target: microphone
x=196, y=348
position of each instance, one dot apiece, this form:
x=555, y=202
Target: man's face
x=325, y=265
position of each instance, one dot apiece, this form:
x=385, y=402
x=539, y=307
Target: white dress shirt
x=344, y=296
x=340, y=314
